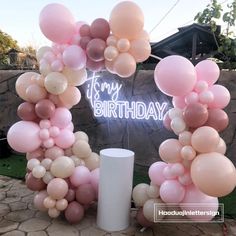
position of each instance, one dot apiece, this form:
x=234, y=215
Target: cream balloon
x=111, y=53
x=188, y=153
x=140, y=195
x=35, y=93
x=123, y=45
x=76, y=160
x=23, y=82
x=40, y=53
x=61, y=204
x=71, y=96
x=62, y=167
x=221, y=148
x=152, y=207
x=80, y=135
x=153, y=191
x=75, y=77
x=32, y=163
x=81, y=149
x=185, y=138
x=38, y=171
x=46, y=163
x=93, y=161
x=111, y=40
x=47, y=177
x=49, y=202
x=53, y=212
x=55, y=83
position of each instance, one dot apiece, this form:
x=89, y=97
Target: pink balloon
x=80, y=176
x=171, y=191
x=185, y=179
x=167, y=172
x=70, y=196
x=38, y=200
x=57, y=23
x=65, y=139
x=61, y=118
x=179, y=102
x=200, y=202
x=167, y=121
x=175, y=76
x=192, y=97
x=177, y=169
x=94, y=179
x=85, y=194
x=74, y=57
x=221, y=96
x=208, y=71
x=155, y=172
x=23, y=136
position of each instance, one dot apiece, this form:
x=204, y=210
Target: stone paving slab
x=18, y=217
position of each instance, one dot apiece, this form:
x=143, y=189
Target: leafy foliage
x=226, y=41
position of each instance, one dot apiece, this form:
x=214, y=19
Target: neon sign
x=105, y=100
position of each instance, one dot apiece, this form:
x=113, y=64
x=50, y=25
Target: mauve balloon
x=45, y=108
x=100, y=29
x=95, y=49
x=26, y=111
x=74, y=213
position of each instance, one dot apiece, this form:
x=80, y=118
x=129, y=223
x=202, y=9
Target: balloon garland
x=61, y=165
x=190, y=166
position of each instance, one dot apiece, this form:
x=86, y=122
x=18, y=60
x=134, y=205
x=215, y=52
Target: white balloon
x=178, y=125
x=32, y=163
x=38, y=171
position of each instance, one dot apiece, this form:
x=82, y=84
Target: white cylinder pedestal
x=115, y=189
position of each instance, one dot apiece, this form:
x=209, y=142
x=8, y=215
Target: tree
x=226, y=42
x=6, y=43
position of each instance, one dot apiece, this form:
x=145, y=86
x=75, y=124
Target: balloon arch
x=61, y=165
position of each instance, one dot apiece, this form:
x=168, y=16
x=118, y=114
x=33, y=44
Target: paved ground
x=18, y=217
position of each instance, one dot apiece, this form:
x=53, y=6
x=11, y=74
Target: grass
x=15, y=166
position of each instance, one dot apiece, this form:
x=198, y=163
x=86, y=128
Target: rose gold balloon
x=169, y=151
x=45, y=109
x=217, y=119
x=26, y=111
x=74, y=213
x=195, y=115
x=85, y=194
x=205, y=139
x=214, y=174
x=34, y=184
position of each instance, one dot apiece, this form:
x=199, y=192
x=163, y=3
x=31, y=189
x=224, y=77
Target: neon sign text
x=113, y=107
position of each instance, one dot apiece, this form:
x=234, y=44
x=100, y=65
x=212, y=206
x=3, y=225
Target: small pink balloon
x=179, y=102
x=74, y=57
x=44, y=124
x=177, y=169
x=54, y=131
x=23, y=136
x=208, y=71
x=49, y=143
x=61, y=117
x=57, y=65
x=221, y=96
x=192, y=97
x=167, y=172
x=201, y=86
x=38, y=200
x=65, y=139
x=155, y=172
x=84, y=30
x=171, y=191
x=44, y=134
x=85, y=194
x=167, y=121
x=80, y=176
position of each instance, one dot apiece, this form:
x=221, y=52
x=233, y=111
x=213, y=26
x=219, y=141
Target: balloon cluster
x=116, y=45
x=194, y=168
x=61, y=165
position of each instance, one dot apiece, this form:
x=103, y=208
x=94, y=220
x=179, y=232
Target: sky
x=20, y=18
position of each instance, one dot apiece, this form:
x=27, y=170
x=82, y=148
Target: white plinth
x=115, y=189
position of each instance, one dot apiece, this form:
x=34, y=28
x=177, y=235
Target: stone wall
x=142, y=136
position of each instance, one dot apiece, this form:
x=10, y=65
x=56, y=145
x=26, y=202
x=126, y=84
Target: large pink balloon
x=155, y=172
x=175, y=76
x=195, y=200
x=57, y=23
x=74, y=57
x=80, y=176
x=23, y=136
x=61, y=117
x=208, y=71
x=65, y=139
x=171, y=191
x=214, y=174
x=221, y=96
